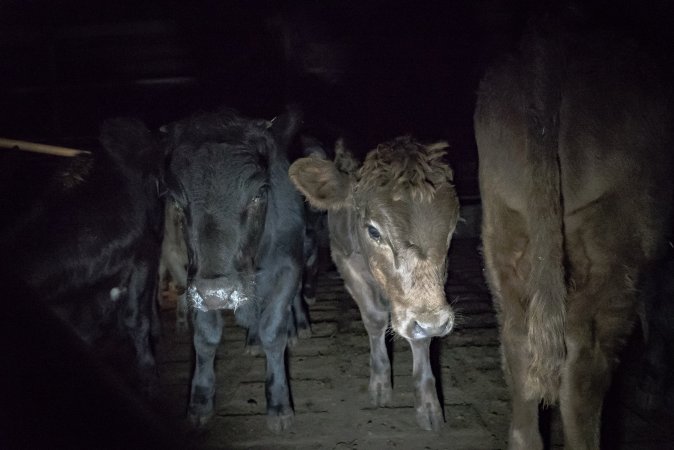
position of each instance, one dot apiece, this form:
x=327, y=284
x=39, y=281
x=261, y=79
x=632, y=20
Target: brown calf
x=391, y=221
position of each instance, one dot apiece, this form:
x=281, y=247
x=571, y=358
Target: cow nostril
x=419, y=331
x=212, y=275
x=447, y=326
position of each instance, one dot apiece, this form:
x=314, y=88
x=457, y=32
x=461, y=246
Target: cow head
x=403, y=211
x=220, y=173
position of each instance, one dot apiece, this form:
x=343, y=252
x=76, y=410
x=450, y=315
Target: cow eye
x=373, y=232
x=258, y=198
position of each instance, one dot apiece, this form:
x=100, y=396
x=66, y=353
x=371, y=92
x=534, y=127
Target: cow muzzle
x=212, y=294
x=427, y=325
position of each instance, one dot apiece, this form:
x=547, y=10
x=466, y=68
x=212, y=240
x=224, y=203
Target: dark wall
x=374, y=69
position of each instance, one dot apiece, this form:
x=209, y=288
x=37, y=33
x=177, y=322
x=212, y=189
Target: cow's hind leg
x=138, y=319
x=599, y=321
x=524, y=432
x=505, y=252
x=182, y=312
x=300, y=317
x=207, y=333
x=429, y=411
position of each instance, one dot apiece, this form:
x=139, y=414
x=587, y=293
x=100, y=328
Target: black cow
x=244, y=232
x=89, y=244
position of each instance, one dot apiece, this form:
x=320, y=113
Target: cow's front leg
x=429, y=411
x=375, y=317
x=207, y=333
x=279, y=411
x=376, y=324
x=280, y=290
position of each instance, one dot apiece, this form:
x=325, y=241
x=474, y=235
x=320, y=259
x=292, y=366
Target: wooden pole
x=41, y=148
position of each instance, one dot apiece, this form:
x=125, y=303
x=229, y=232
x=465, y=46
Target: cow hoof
x=199, y=420
x=182, y=327
x=429, y=417
x=304, y=333
x=381, y=394
x=253, y=350
x=148, y=381
x=280, y=422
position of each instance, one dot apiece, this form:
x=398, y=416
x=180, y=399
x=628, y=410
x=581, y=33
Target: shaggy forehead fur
x=223, y=126
x=405, y=165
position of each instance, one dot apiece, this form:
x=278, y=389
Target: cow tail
x=546, y=287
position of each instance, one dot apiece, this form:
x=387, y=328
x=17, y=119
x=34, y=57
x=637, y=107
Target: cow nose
x=422, y=330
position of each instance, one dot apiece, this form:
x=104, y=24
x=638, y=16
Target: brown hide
x=391, y=221
x=404, y=191
x=574, y=139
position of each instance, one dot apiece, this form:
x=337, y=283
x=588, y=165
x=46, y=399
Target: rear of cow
x=244, y=230
x=575, y=145
x=391, y=221
x=89, y=245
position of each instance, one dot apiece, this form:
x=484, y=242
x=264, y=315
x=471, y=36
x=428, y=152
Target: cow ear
x=322, y=184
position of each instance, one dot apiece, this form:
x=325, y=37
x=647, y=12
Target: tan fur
x=324, y=186
x=574, y=139
x=403, y=165
x=391, y=222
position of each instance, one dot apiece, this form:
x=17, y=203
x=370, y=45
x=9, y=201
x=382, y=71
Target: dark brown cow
x=574, y=139
x=390, y=224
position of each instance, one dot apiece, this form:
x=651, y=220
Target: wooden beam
x=41, y=148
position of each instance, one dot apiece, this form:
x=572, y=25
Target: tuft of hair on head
x=404, y=165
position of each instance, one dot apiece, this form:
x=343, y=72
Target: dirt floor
x=329, y=377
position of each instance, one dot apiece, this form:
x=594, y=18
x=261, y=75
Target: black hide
x=88, y=242
x=244, y=228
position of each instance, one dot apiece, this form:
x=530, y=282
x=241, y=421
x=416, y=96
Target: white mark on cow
x=116, y=293
x=220, y=298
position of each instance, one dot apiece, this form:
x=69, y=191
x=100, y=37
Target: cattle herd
x=574, y=137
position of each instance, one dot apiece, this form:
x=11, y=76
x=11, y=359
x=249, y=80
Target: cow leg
x=505, y=245
x=175, y=264
x=310, y=268
x=207, y=333
x=300, y=318
x=273, y=334
x=182, y=310
x=375, y=317
x=523, y=433
x=376, y=323
x=137, y=320
x=597, y=326
x=429, y=411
